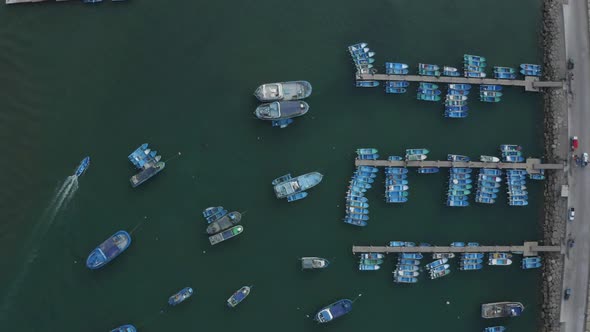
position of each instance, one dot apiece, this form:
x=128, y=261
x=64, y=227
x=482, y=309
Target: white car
x=571, y=214
x=585, y=159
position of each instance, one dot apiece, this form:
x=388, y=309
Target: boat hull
x=108, y=250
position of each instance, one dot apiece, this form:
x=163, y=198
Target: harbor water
x=99, y=80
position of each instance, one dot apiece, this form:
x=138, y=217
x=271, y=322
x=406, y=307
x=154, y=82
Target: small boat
x=286, y=186
x=473, y=74
x=125, y=328
x=425, y=97
x=483, y=194
x=372, y=256
x=499, y=261
x=357, y=204
x=368, y=156
x=490, y=178
x=392, y=194
x=474, y=63
x=357, y=210
x=238, y=296
x=333, y=311
x=84, y=164
x=439, y=274
x=458, y=244
x=406, y=273
x=436, y=263
x=397, y=188
x=505, y=76
x=527, y=66
x=460, y=86
x=409, y=244
x=472, y=68
x=427, y=86
x=359, y=184
x=456, y=108
x=397, y=84
x=396, y=65
x=460, y=170
x=415, y=157
x=471, y=261
x=470, y=267
x=490, y=94
x=358, y=46
x=283, y=91
x=501, y=309
x=530, y=72
x=216, y=214
x=537, y=176
x=364, y=267
x=498, y=69
x=366, y=151
x=395, y=182
x=455, y=102
x=441, y=255
x=362, y=217
x=413, y=255
x=490, y=99
x=460, y=181
x=472, y=244
x=411, y=262
x=489, y=159
x=108, y=250
x=472, y=255
x=459, y=192
x=314, y=263
x=514, y=159
x=225, y=222
x=458, y=92
x=405, y=280
x=473, y=57
x=460, y=186
x=355, y=222
x=528, y=266
x=418, y=151
x=371, y=261
x=453, y=203
x=395, y=158
x=487, y=87
x=367, y=84
x=357, y=198
x=457, y=157
x=499, y=255
x=364, y=179
x=280, y=110
x=225, y=235
x=395, y=90
x=397, y=244
x=363, y=60
x=494, y=329
x=364, y=174
x=429, y=92
x=426, y=66
x=368, y=169
x=490, y=171
x=440, y=268
x=451, y=71
x=179, y=297
x=395, y=199
x=427, y=170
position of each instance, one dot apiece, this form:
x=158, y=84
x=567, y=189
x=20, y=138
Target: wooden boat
x=225, y=222
x=108, y=250
x=460, y=86
x=487, y=87
x=238, y=296
x=333, y=311
x=364, y=267
x=501, y=309
x=308, y=263
x=367, y=84
x=427, y=170
x=225, y=235
x=125, y=328
x=283, y=91
x=181, y=296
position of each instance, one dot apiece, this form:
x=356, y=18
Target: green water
x=100, y=80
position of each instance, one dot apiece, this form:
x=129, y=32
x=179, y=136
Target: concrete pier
x=527, y=249
x=530, y=83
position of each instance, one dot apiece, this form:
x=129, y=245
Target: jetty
x=527, y=249
x=532, y=165
x=530, y=83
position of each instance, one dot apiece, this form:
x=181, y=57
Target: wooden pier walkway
x=530, y=83
x=527, y=249
x=532, y=165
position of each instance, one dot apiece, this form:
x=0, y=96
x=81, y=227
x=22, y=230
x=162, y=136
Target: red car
x=574, y=143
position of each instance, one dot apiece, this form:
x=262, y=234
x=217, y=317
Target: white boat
x=489, y=159
x=283, y=91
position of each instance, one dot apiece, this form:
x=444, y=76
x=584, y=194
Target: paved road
x=577, y=260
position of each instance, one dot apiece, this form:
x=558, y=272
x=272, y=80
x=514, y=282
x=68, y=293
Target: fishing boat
x=362, y=217
x=427, y=86
x=473, y=57
x=449, y=102
x=458, y=92
x=179, y=297
x=401, y=171
x=500, y=261
x=474, y=63
x=456, y=108
x=356, y=47
x=364, y=267
x=471, y=261
x=441, y=255
x=537, y=176
x=281, y=110
x=408, y=262
x=473, y=74
x=397, y=84
x=225, y=222
x=225, y=235
x=489, y=99
x=397, y=244
x=472, y=255
x=368, y=169
x=371, y=261
x=357, y=204
x=490, y=94
x=84, y=164
x=498, y=255
x=148, y=162
x=367, y=84
x=489, y=159
x=406, y=273
x=125, y=328
x=439, y=274
x=498, y=69
x=456, y=203
x=413, y=255
x=372, y=256
x=283, y=91
x=457, y=157
x=395, y=65
x=490, y=171
x=416, y=157
x=395, y=90
x=451, y=71
x=333, y=311
x=363, y=60
x=429, y=92
x=473, y=68
x=238, y=296
x=286, y=186
x=460, y=86
x=505, y=76
x=426, y=66
x=425, y=97
x=427, y=170
x=308, y=263
x=487, y=87
x=501, y=309
x=366, y=151
x=472, y=244
x=440, y=268
x=355, y=222
x=527, y=66
x=108, y=250
x=416, y=151
x=530, y=72
x=494, y=329
x=215, y=214
x=436, y=263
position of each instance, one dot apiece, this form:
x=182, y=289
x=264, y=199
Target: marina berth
x=283, y=91
x=108, y=250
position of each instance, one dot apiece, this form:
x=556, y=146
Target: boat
x=356, y=47
x=427, y=86
x=417, y=151
x=537, y=176
x=530, y=72
x=473, y=68
x=396, y=171
x=460, y=86
x=411, y=262
x=472, y=255
x=494, y=329
x=393, y=194
x=473, y=57
x=366, y=151
x=371, y=261
x=489, y=159
x=455, y=102
x=436, y=263
x=506, y=76
x=441, y=255
x=440, y=268
x=283, y=91
x=535, y=259
x=409, y=244
x=429, y=92
x=490, y=94
x=333, y=311
x=487, y=87
x=413, y=255
x=397, y=84
x=496, y=255
x=368, y=169
x=238, y=296
x=455, y=203
x=451, y=71
x=457, y=157
x=281, y=110
x=397, y=244
x=498, y=69
x=108, y=250
x=427, y=170
x=364, y=267
x=473, y=74
x=458, y=244
x=84, y=164
x=308, y=263
x=456, y=108
x=362, y=217
x=490, y=171
x=439, y=274
x=501, y=309
x=500, y=261
x=355, y=222
x=416, y=157
x=475, y=261
x=363, y=60
x=474, y=63
x=395, y=65
x=489, y=99
x=458, y=92
x=150, y=169
x=179, y=297
x=405, y=280
x=368, y=157
x=395, y=90
x=225, y=235
x=225, y=222
x=367, y=84
x=357, y=204
x=460, y=170
x=406, y=273
x=214, y=213
x=286, y=186
x=425, y=97
x=397, y=188
x=125, y=328
x=372, y=256
x=527, y=66
x=426, y=66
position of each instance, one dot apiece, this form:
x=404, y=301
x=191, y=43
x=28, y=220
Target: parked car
x=571, y=214
x=567, y=293
x=585, y=159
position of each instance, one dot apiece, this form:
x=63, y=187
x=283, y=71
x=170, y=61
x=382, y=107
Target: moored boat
x=371, y=261
x=108, y=250
x=286, y=186
x=372, y=256
x=428, y=170
x=281, y=110
x=489, y=159
x=225, y=222
x=441, y=255
x=283, y=91
x=225, y=235
x=181, y=296
x=436, y=263
x=487, y=87
x=239, y=296
x=439, y=273
x=367, y=84
x=500, y=261
x=333, y=311
x=460, y=86
x=365, y=267
x=501, y=309
x=427, y=86
x=494, y=329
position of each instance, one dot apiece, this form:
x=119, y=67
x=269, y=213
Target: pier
x=532, y=165
x=530, y=83
x=527, y=249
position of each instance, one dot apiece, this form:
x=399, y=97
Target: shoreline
x=555, y=132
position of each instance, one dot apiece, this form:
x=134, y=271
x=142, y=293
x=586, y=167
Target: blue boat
x=399, y=72
x=363, y=179
x=108, y=250
x=427, y=170
x=396, y=170
x=490, y=99
x=473, y=68
x=368, y=267
x=460, y=170
x=355, y=222
x=409, y=244
x=468, y=57
x=424, y=72
x=412, y=255
x=238, y=296
x=367, y=84
x=469, y=267
x=436, y=263
x=397, y=244
x=530, y=72
x=460, y=181
x=357, y=210
x=372, y=256
x=457, y=108
x=357, y=204
x=458, y=158
x=407, y=267
x=495, y=329
x=368, y=169
x=359, y=184
x=333, y=311
x=429, y=92
x=394, y=180
x=473, y=74
x=485, y=87
x=498, y=69
x=363, y=60
x=458, y=92
x=486, y=195
x=395, y=158
x=405, y=280
x=425, y=97
x=471, y=261
x=391, y=188
x=286, y=186
x=472, y=244
x=361, y=217
x=374, y=156
x=397, y=84
x=364, y=174
x=484, y=200
x=514, y=159
x=489, y=190
x=82, y=167
x=505, y=76
x=458, y=244
x=528, y=66
x=427, y=86
x=537, y=176
x=396, y=199
x=395, y=65
x=426, y=66
x=528, y=266
x=124, y=328
x=518, y=203
x=460, y=86
x=404, y=261
x=471, y=255
x=475, y=63
x=179, y=297
x=490, y=171
x=357, y=198
x=395, y=90
x=451, y=71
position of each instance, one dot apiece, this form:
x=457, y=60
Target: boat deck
x=527, y=249
x=530, y=83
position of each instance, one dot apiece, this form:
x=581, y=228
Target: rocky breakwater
x=556, y=151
